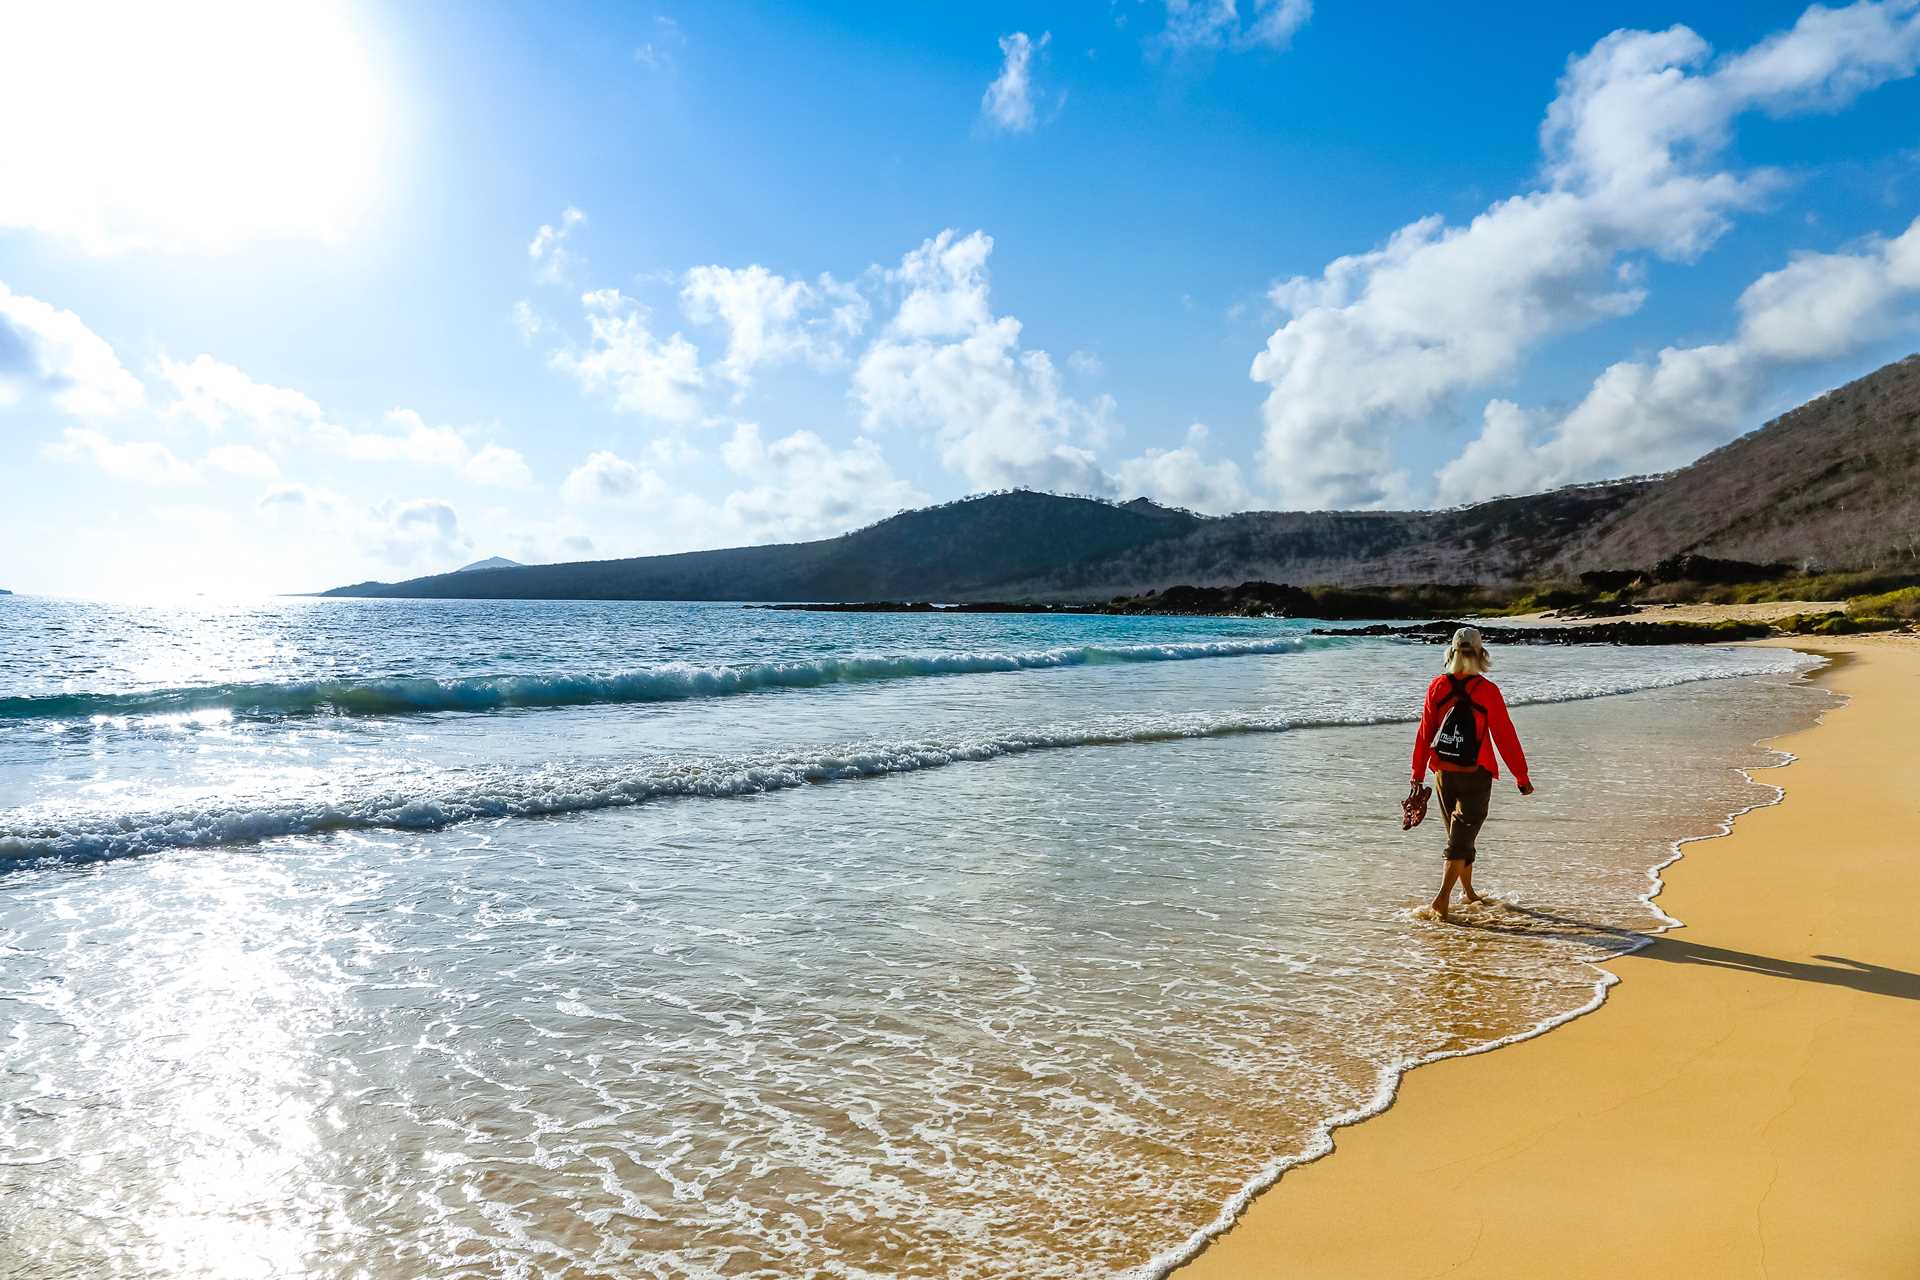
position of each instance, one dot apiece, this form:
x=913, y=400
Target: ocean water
x=379, y=939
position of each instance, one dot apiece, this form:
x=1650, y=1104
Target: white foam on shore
x=88, y=834
x=1388, y=1083
x=668, y=682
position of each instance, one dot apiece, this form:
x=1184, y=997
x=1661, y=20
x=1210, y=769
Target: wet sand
x=1744, y=1104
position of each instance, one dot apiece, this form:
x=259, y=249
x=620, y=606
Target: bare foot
x=1473, y=897
x=1440, y=908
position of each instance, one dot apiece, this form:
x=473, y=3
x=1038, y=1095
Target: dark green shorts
x=1463, y=807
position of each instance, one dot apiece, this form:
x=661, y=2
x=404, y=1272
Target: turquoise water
x=388, y=938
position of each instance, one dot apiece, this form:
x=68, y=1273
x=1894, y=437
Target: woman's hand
x=1526, y=788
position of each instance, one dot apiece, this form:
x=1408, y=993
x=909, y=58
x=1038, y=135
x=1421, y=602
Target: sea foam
x=80, y=833
x=667, y=682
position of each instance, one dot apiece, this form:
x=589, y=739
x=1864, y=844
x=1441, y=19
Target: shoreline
x=1176, y=1262
x=1458, y=1208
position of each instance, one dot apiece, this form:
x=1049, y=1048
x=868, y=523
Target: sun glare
x=192, y=126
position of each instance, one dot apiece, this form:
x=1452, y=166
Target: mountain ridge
x=1833, y=484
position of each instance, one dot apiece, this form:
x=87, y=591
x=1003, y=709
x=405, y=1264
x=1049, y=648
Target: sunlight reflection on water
x=1037, y=1016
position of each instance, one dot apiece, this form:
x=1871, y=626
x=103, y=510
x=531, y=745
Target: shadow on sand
x=1836, y=971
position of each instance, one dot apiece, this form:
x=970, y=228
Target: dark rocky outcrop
x=1248, y=600
x=1688, y=567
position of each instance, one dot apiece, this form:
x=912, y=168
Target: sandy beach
x=1768, y=611
x=1744, y=1103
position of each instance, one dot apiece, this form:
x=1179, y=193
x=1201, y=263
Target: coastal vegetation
x=1903, y=603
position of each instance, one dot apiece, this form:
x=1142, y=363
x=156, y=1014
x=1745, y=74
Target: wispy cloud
x=662, y=48
x=408, y=438
x=553, y=262
x=1008, y=102
x=1220, y=24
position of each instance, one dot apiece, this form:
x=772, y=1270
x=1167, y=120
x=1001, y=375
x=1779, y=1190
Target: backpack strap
x=1459, y=692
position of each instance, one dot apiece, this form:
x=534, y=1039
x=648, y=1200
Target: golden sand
x=1771, y=611
x=1747, y=1101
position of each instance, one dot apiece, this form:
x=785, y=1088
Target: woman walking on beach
x=1463, y=720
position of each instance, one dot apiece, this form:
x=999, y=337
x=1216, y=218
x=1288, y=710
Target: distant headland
x=1819, y=504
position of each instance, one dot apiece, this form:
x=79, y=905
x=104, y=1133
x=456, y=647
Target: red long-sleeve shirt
x=1495, y=724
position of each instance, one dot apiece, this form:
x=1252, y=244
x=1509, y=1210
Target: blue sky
x=297, y=299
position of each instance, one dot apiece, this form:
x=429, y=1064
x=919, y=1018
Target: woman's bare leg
x=1466, y=882
x=1454, y=867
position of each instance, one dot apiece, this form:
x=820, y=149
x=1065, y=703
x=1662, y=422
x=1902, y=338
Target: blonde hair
x=1467, y=653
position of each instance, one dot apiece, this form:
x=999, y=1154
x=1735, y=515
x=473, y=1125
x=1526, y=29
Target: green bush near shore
x=1903, y=603
x=1733, y=629
x=1545, y=596
x=1875, y=601
x=1868, y=593
x=1835, y=624
x=1818, y=586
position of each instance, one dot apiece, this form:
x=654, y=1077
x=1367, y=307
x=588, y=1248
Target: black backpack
x=1458, y=741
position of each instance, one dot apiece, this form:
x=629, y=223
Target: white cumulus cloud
x=243, y=460
x=1184, y=477
x=1381, y=339
x=413, y=535
x=410, y=438
x=607, y=478
x=946, y=365
x=421, y=532
x=49, y=352
x=770, y=319
x=225, y=400
x=498, y=466
x=645, y=375
x=141, y=461
x=1644, y=416
x=218, y=397
x=802, y=487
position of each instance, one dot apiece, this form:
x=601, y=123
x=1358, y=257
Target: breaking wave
x=441, y=800
x=669, y=682
x=550, y=790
